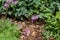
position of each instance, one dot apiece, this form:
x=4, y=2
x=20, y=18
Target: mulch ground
x=30, y=31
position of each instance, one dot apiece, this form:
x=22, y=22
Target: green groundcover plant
x=52, y=26
x=8, y=30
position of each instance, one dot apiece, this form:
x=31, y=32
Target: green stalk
x=6, y=13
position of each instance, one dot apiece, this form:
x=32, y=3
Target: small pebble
x=33, y=33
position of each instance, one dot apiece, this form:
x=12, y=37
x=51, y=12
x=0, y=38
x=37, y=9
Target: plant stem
x=6, y=13
x=2, y=16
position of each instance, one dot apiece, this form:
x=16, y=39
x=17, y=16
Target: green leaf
x=58, y=15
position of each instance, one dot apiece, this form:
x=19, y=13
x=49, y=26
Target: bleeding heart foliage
x=27, y=8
